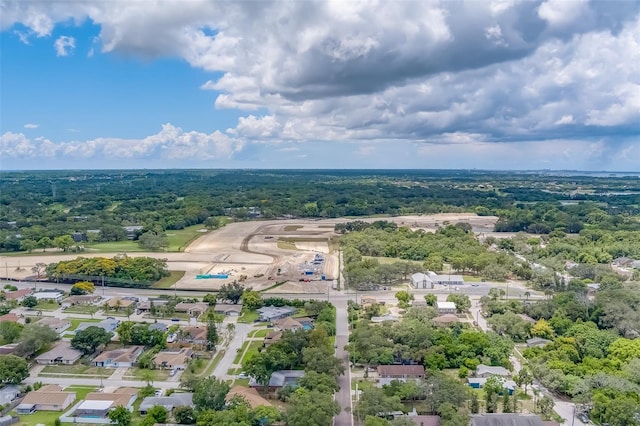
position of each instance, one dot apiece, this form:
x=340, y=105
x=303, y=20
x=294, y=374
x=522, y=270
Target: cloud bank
x=430, y=73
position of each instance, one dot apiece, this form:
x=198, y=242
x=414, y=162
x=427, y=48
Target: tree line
x=38, y=207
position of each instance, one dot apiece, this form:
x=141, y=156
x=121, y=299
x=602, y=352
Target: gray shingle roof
x=168, y=402
x=506, y=420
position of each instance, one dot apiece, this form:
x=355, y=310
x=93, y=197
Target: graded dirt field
x=251, y=252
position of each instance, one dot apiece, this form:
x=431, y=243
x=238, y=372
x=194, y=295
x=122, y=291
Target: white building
x=428, y=280
x=446, y=308
x=54, y=296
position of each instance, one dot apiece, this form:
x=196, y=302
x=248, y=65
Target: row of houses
x=404, y=373
x=93, y=409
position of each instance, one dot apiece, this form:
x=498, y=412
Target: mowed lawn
x=168, y=282
x=177, y=239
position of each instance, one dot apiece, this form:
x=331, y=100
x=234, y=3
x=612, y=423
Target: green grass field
x=78, y=370
x=254, y=348
x=39, y=418
x=238, y=357
x=472, y=278
x=389, y=260
x=75, y=322
x=286, y=245
x=114, y=247
x=168, y=282
x=177, y=239
x=248, y=317
x=259, y=333
x=46, y=306
x=82, y=309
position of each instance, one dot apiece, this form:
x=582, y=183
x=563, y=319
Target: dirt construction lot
x=260, y=253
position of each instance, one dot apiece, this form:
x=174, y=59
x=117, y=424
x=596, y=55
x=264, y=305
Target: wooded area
x=39, y=210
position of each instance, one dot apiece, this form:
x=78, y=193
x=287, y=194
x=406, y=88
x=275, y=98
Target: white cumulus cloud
x=170, y=143
x=31, y=126
x=64, y=45
x=465, y=73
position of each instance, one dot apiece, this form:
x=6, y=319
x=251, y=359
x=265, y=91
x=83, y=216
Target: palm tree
x=147, y=375
x=527, y=294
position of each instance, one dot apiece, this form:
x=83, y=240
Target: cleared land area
x=259, y=253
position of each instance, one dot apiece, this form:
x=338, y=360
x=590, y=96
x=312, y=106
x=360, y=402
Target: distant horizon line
x=323, y=169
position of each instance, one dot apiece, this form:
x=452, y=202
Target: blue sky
x=496, y=84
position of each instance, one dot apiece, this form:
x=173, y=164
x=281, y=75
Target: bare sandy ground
x=251, y=249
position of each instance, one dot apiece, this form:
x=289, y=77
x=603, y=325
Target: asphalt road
x=343, y=396
x=239, y=337
x=565, y=409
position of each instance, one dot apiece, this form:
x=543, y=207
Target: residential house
x=47, y=398
x=478, y=382
x=446, y=320
x=402, y=373
x=49, y=296
x=193, y=335
x=56, y=324
x=280, y=379
x=271, y=338
x=508, y=419
x=168, y=402
x=192, y=309
x=133, y=231
x=11, y=317
x=385, y=317
x=251, y=395
x=84, y=299
x=274, y=313
x=120, y=303
x=8, y=420
x=109, y=325
x=62, y=353
x=288, y=324
x=174, y=359
x=368, y=299
x=8, y=394
x=307, y=323
x=228, y=309
x=125, y=357
x=526, y=318
x=537, y=342
x=158, y=326
x=446, y=308
x=145, y=307
x=592, y=289
x=623, y=262
x=96, y=405
x=488, y=371
x=18, y=295
x=9, y=348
